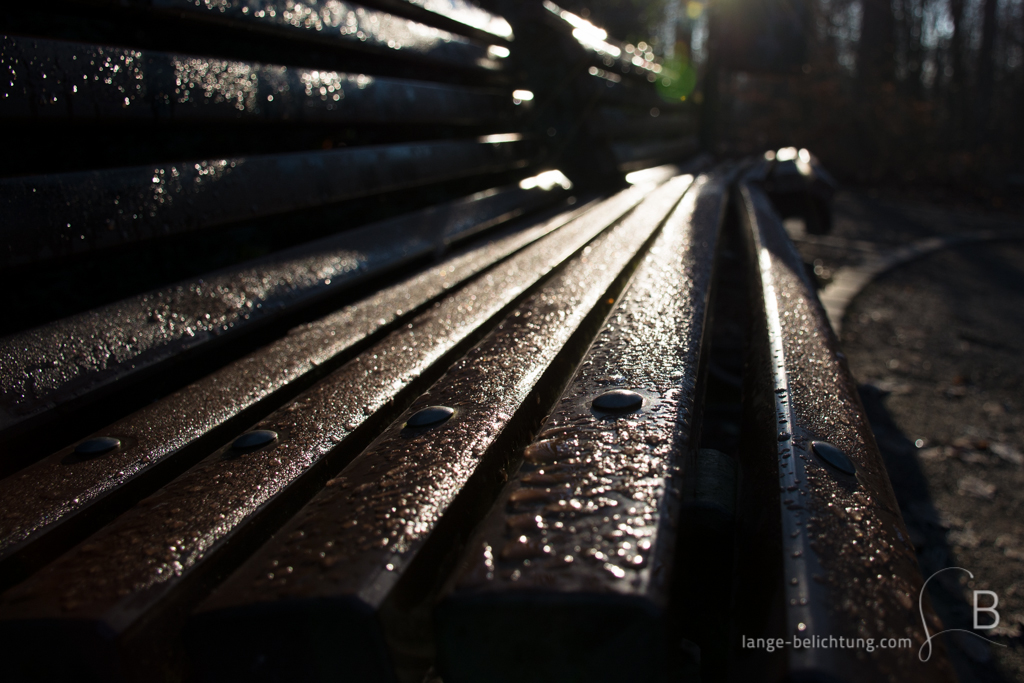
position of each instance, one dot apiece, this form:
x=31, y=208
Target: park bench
x=341, y=348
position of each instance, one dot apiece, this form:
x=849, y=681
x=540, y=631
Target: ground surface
x=937, y=345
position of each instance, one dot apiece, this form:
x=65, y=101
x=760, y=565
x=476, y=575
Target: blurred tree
x=876, y=51
x=896, y=91
x=767, y=35
x=956, y=13
x=986, y=72
x=958, y=77
x=911, y=57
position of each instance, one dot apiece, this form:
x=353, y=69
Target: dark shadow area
x=711, y=517
x=948, y=596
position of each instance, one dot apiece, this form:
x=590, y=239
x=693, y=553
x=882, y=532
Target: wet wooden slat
x=569, y=575
x=46, y=508
x=456, y=16
x=73, y=213
x=823, y=552
x=64, y=81
x=110, y=599
x=607, y=52
x=51, y=367
x=346, y=25
x=356, y=559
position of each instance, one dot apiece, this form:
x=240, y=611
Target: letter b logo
x=991, y=608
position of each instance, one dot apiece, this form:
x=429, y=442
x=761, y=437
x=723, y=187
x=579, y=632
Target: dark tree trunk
x=986, y=71
x=876, y=53
x=958, y=79
x=913, y=51
x=956, y=49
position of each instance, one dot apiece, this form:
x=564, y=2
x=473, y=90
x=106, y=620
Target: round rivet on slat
x=833, y=456
x=254, y=439
x=618, y=401
x=430, y=416
x=97, y=446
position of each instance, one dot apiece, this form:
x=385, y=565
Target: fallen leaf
x=1015, y=553
x=976, y=487
x=935, y=453
x=1007, y=453
x=965, y=539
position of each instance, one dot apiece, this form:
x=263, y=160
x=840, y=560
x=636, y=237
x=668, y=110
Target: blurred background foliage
x=925, y=94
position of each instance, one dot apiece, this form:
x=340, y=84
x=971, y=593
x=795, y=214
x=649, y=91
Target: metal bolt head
x=254, y=439
x=97, y=446
x=833, y=456
x=618, y=401
x=430, y=416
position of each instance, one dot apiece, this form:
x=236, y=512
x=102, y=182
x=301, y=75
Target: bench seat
x=371, y=341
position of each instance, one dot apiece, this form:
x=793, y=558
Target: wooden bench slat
x=344, y=24
x=49, y=368
x=576, y=559
x=203, y=522
x=52, y=505
x=482, y=25
x=75, y=213
x=823, y=552
x=66, y=81
x=607, y=51
x=392, y=515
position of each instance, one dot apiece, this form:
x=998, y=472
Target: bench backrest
x=161, y=142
